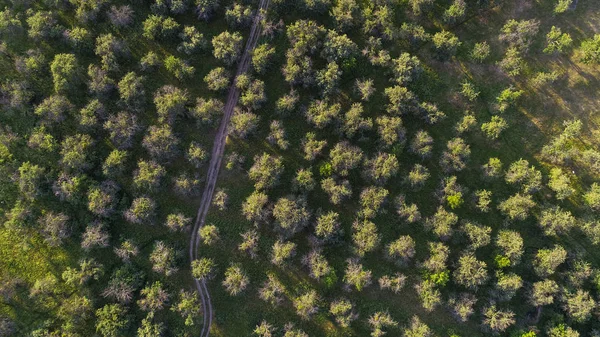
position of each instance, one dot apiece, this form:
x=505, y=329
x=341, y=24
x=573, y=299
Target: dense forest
x=409, y=168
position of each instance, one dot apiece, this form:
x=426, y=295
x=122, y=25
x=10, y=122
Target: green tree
x=227, y=47
x=111, y=320
x=590, y=50
x=64, y=70
x=557, y=41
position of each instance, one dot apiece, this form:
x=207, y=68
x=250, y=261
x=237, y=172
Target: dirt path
x=215, y=165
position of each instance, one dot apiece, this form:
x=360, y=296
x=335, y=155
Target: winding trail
x=215, y=165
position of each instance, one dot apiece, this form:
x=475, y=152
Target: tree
x=306, y=304
x=217, y=79
x=99, y=84
x=478, y=235
x=371, y=200
x=455, y=12
x=390, y=130
x=400, y=100
x=560, y=183
x=108, y=48
x=462, y=306
x=341, y=310
x=312, y=147
x=54, y=227
x=64, y=70
x=494, y=127
x=192, y=41
x=177, y=222
x=227, y=47
x=345, y=14
x=417, y=329
x=161, y=143
x=111, y=320
x=170, y=102
x=317, y=265
x=365, y=88
x=180, y=69
x=261, y=57
x=511, y=244
x=264, y=329
x=53, y=109
x=556, y=221
x=544, y=292
x=243, y=124
x=321, y=114
x=121, y=16
x=527, y=176
x=345, y=157
x=405, y=69
x=272, y=290
x=418, y=176
x=148, y=175
x=498, y=320
x=517, y=207
x=365, y=237
x=249, y=243
x=202, y=268
x=102, y=199
x=188, y=306
x=590, y=50
x=557, y=41
x=445, y=45
x=507, y=285
x=31, y=177
x=164, y=259
x=579, y=305
x=483, y=199
x=519, y=34
x=205, y=9
x=456, y=155
x=592, y=197
x=254, y=208
x=122, y=128
x=381, y=168
x=209, y=234
x=43, y=25
x=402, y=250
x=131, y=90
x=430, y=296
x=422, y=144
x=291, y=216
x=235, y=280
x=395, y=282
x=126, y=250
x=480, y=52
x=562, y=330
x=142, y=210
x=265, y=171
x=441, y=223
x=507, y=98
x=282, y=252
x=548, y=260
x=492, y=169
x=380, y=320
x=153, y=297
x=206, y=111
x=238, y=16
x=95, y=235
x=328, y=225
x=328, y=79
x=149, y=329
x=512, y=63
x=356, y=276
x=470, y=273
